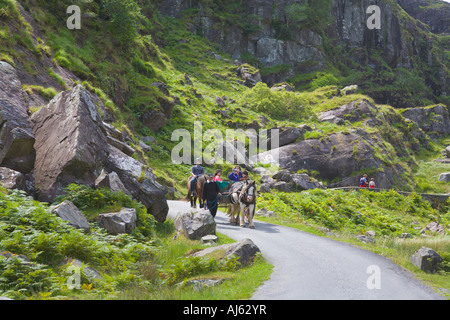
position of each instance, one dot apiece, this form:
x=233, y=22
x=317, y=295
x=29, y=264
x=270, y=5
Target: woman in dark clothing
x=211, y=194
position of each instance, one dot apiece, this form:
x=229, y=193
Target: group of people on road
x=364, y=183
x=211, y=191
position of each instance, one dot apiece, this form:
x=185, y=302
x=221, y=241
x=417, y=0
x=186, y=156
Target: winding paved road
x=309, y=267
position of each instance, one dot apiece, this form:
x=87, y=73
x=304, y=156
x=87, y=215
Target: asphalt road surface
x=309, y=267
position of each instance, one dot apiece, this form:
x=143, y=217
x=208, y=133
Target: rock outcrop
x=139, y=181
x=434, y=13
x=434, y=121
x=285, y=181
x=74, y=145
x=281, y=33
x=71, y=143
x=260, y=38
x=16, y=134
x=336, y=157
x=354, y=111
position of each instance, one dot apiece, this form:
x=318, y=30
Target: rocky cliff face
x=350, y=29
x=433, y=13
x=16, y=136
x=266, y=31
x=65, y=142
x=257, y=36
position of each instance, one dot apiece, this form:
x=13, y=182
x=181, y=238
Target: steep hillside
x=95, y=115
x=151, y=74
x=402, y=64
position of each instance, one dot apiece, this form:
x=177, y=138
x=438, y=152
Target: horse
x=243, y=198
x=198, y=191
x=248, y=203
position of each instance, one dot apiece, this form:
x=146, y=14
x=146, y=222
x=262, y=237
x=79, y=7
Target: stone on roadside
x=209, y=238
x=245, y=251
x=195, y=224
x=364, y=238
x=426, y=259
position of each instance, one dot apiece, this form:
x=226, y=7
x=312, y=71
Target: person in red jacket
x=363, y=181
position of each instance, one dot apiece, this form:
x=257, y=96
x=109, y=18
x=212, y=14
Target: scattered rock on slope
x=70, y=213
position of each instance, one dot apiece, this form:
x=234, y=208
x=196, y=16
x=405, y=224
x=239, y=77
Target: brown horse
x=198, y=191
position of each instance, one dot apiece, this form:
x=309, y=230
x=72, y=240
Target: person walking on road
x=211, y=195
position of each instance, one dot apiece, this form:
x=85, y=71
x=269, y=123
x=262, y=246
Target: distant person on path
x=372, y=183
x=363, y=181
x=211, y=194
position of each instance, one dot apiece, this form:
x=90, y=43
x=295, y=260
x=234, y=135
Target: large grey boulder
x=284, y=186
x=140, y=182
x=337, y=156
x=426, y=259
x=71, y=143
x=195, y=224
x=118, y=222
x=244, y=251
x=70, y=213
x=282, y=175
x=16, y=135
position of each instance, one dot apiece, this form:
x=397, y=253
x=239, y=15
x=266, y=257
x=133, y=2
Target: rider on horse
x=196, y=172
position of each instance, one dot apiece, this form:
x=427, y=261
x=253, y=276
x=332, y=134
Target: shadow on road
x=223, y=222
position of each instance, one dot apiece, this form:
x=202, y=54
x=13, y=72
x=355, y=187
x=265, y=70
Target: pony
x=243, y=199
x=198, y=191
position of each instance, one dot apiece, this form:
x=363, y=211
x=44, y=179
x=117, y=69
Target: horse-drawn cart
x=224, y=200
